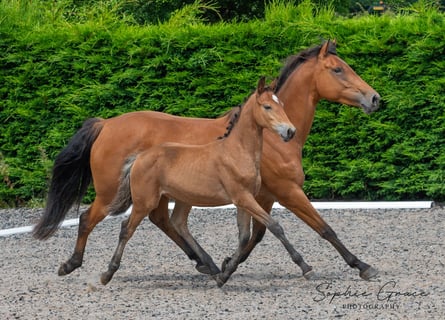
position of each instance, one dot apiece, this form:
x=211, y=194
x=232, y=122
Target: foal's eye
x=337, y=69
x=267, y=107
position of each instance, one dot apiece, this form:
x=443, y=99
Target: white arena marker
x=18, y=230
x=374, y=205
x=346, y=205
x=317, y=205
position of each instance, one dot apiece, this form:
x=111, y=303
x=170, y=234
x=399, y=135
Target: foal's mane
x=235, y=112
x=294, y=61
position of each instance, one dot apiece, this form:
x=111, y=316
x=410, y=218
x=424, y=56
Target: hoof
x=105, y=278
x=203, y=268
x=69, y=266
x=369, y=273
x=308, y=275
x=219, y=281
x=64, y=269
x=224, y=264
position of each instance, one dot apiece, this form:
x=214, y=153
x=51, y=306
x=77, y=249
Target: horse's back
x=133, y=132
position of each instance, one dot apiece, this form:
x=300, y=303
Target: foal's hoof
x=105, y=278
x=65, y=269
x=225, y=262
x=308, y=275
x=203, y=268
x=62, y=271
x=369, y=273
x=219, y=280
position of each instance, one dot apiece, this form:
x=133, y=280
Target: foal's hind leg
x=128, y=228
x=87, y=221
x=161, y=219
x=179, y=222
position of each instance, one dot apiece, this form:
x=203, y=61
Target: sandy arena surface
x=156, y=280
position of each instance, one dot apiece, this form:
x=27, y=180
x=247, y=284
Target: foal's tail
x=71, y=177
x=122, y=200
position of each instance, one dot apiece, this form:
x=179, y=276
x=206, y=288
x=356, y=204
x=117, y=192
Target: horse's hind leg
x=87, y=221
x=179, y=222
x=161, y=219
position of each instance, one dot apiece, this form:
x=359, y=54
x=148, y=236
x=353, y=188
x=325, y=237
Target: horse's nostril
x=376, y=100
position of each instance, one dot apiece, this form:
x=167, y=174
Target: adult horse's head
x=334, y=79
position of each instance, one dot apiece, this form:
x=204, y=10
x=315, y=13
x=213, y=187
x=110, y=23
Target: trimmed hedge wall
x=55, y=74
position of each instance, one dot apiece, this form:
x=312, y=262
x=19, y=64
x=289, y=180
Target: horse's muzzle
x=371, y=105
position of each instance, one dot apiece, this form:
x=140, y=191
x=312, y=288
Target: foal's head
x=269, y=112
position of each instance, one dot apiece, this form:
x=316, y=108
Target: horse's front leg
x=290, y=195
x=161, y=219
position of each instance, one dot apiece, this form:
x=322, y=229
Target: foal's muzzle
x=288, y=134
x=285, y=131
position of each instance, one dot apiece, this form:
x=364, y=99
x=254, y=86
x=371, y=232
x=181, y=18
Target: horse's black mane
x=294, y=61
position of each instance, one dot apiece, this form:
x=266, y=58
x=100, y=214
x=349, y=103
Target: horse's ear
x=324, y=49
x=329, y=47
x=261, y=85
x=333, y=47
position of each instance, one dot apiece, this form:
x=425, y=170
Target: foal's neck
x=247, y=134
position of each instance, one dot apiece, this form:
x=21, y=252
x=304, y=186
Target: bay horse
x=98, y=151
x=214, y=174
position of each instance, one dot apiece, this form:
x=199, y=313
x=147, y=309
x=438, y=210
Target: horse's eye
x=267, y=107
x=337, y=69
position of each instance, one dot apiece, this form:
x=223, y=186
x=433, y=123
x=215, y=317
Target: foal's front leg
x=258, y=229
x=249, y=204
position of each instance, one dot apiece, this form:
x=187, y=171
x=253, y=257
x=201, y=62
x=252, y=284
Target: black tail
x=122, y=200
x=71, y=177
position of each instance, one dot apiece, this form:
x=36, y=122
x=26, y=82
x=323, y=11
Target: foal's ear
x=273, y=84
x=261, y=85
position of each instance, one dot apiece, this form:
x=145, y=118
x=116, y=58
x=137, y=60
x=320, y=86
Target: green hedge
x=56, y=73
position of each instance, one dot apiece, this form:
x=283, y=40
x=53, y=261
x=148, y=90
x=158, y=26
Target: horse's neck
x=246, y=136
x=300, y=99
